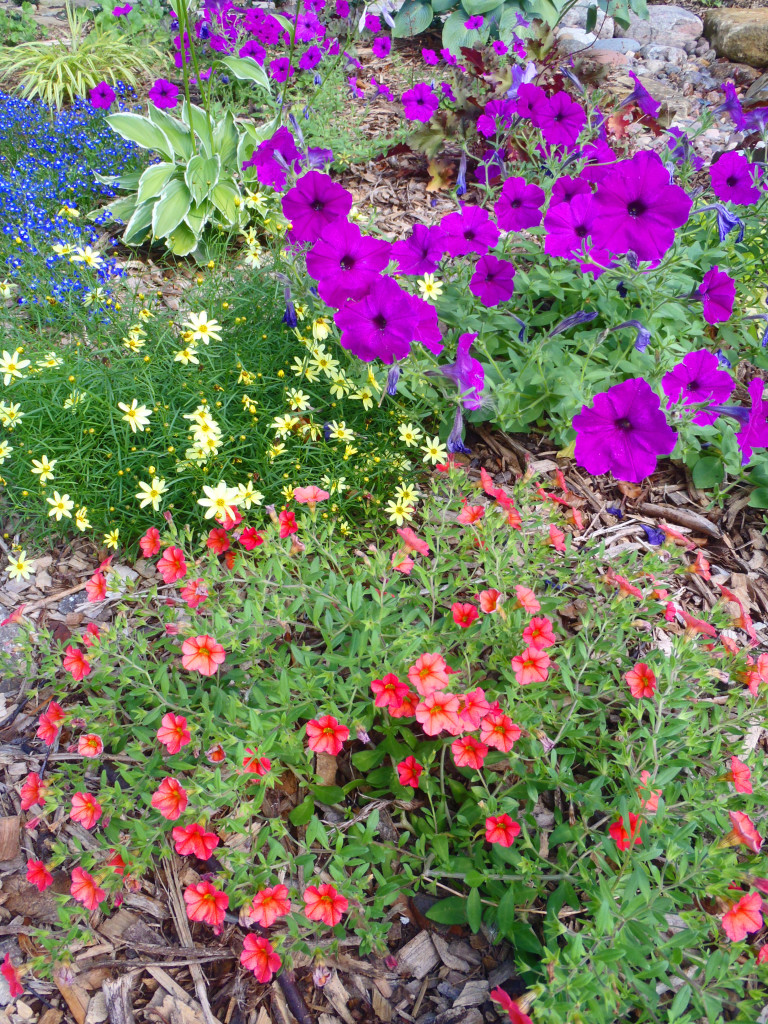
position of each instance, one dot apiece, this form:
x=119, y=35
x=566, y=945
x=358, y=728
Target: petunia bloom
x=388, y=691
x=75, y=663
x=202, y=654
x=409, y=771
x=519, y=205
x=698, y=378
x=206, y=903
x=101, y=96
x=326, y=735
x=743, y=831
x=170, y=798
x=497, y=730
x=718, y=292
x=493, y=280
x=464, y=614
x=324, y=903
x=744, y=917
x=85, y=809
x=193, y=841
x=531, y=666
x=740, y=776
x=173, y=732
x=85, y=889
x=732, y=178
x=420, y=103
x=164, y=94
x=469, y=230
x=39, y=875
x=259, y=956
x=439, y=712
x=172, y=566
x=268, y=904
x=150, y=542
x=312, y=204
x=501, y=829
x=469, y=752
x=429, y=673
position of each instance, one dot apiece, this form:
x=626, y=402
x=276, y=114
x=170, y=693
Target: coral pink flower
x=439, y=712
x=39, y=875
x=514, y=519
x=499, y=731
x=260, y=957
x=401, y=564
x=91, y=633
x=90, y=745
x=538, y=633
x=326, y=735
x=526, y=599
x=202, y=654
x=762, y=955
x=250, y=538
x=556, y=538
x=117, y=863
x=412, y=541
x=324, y=903
x=428, y=673
x=287, y=523
x=193, y=841
x=194, y=593
x=743, y=832
x=55, y=713
x=501, y=829
x=389, y=690
x=532, y=666
x=12, y=976
x=216, y=754
x=33, y=791
x=406, y=708
x=86, y=809
x=229, y=518
x=309, y=495
x=649, y=798
x=255, y=765
x=85, y=889
x=516, y=1015
x=740, y=776
x=490, y=600
x=269, y=904
x=469, y=752
x=409, y=772
x=75, y=663
x=173, y=732
x=474, y=708
x=170, y=798
x=464, y=614
x=218, y=541
x=641, y=680
x=173, y=565
x=470, y=514
x=206, y=903
x=47, y=730
x=744, y=917
x=96, y=587
x=150, y=542
x=625, y=839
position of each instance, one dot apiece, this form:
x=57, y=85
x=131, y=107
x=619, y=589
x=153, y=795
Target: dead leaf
x=439, y=175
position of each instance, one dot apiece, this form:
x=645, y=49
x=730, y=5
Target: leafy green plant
x=18, y=26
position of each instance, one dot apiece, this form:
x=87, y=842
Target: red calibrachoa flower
x=409, y=772
x=193, y=841
x=469, y=752
x=173, y=732
x=538, y=633
x=326, y=735
x=194, y=593
x=55, y=713
x=439, y=712
x=402, y=564
x=255, y=765
x=641, y=680
x=250, y=538
x=743, y=832
x=90, y=745
x=516, y=1015
x=526, y=599
x=47, y=730
x=407, y=707
x=269, y=904
x=229, y=518
x=91, y=633
x=490, y=600
x=33, y=791
x=474, y=707
x=260, y=957
x=150, y=542
x=206, y=903
x=556, y=538
x=740, y=776
x=39, y=875
x=76, y=663
x=117, y=863
x=428, y=673
x=86, y=809
x=173, y=565
x=464, y=614
x=86, y=890
x=744, y=917
x=649, y=798
x=202, y=654
x=170, y=798
x=216, y=754
x=12, y=976
x=501, y=829
x=762, y=955
x=412, y=541
x=499, y=731
x=288, y=523
x=324, y=903
x=218, y=541
x=388, y=691
x=625, y=839
x=96, y=587
x=532, y=666
x=310, y=495
x=470, y=514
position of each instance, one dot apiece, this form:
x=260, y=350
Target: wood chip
x=450, y=960
x=337, y=995
x=75, y=996
x=117, y=995
x=9, y=837
x=381, y=1006
x=97, y=1009
x=474, y=993
x=681, y=516
x=418, y=957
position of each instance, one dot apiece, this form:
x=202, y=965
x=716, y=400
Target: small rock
x=666, y=24
x=689, y=46
x=576, y=17
x=653, y=67
x=740, y=35
x=669, y=54
x=570, y=40
x=615, y=45
x=740, y=74
x=459, y=1015
x=701, y=47
x=72, y=602
x=758, y=91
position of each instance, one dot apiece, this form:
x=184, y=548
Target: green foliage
x=17, y=25
x=148, y=21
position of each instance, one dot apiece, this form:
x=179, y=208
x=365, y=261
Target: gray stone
x=690, y=46
x=570, y=40
x=758, y=91
x=668, y=25
x=740, y=35
x=669, y=54
x=653, y=67
x=577, y=18
x=701, y=47
x=617, y=45
x=739, y=74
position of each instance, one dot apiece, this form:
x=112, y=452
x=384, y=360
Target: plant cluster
x=18, y=25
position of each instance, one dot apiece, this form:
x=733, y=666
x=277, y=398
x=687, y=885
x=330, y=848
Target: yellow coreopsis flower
x=5, y=451
x=218, y=499
x=43, y=468
x=340, y=431
x=136, y=416
x=201, y=328
x=248, y=495
x=399, y=512
x=82, y=521
x=151, y=493
x=409, y=434
x=20, y=567
x=11, y=366
x=187, y=355
x=61, y=506
x=429, y=287
x=85, y=254
x=111, y=539
x=434, y=451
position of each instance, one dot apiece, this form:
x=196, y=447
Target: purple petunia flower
x=421, y=252
x=566, y=188
x=638, y=208
x=381, y=47
x=455, y=443
x=679, y=147
x=430, y=57
x=346, y=263
x=380, y=326
x=624, y=432
x=532, y=101
x=474, y=23
x=273, y=157
x=698, y=378
x=491, y=165
x=755, y=433
x=447, y=91
x=342, y=9
x=280, y=69
x=493, y=280
x=733, y=178
x=101, y=96
x=467, y=372
x=496, y=118
x=383, y=90
x=469, y=230
x=499, y=47
x=717, y=292
x=357, y=92
x=518, y=205
x=314, y=202
x=569, y=225
x=164, y=94
x=253, y=50
x=732, y=107
x=426, y=327
x=561, y=120
x=448, y=57
x=420, y=103
x=372, y=23
x=641, y=97
x=118, y=12
x=310, y=58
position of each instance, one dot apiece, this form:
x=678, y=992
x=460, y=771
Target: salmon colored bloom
x=740, y=776
x=762, y=955
x=47, y=730
x=86, y=809
x=429, y=673
x=701, y=566
x=150, y=542
x=493, y=491
x=649, y=798
x=499, y=731
x=218, y=541
x=12, y=976
x=474, y=708
x=402, y=564
x=641, y=680
x=539, y=634
x=260, y=957
x=464, y=614
x=194, y=593
x=326, y=735
x=229, y=518
x=173, y=732
x=556, y=538
x=407, y=707
x=173, y=565
x=516, y=1015
x=501, y=829
x=409, y=772
x=287, y=522
x=324, y=903
x=743, y=832
x=39, y=875
x=309, y=495
x=469, y=752
x=388, y=690
x=623, y=584
x=33, y=791
x=90, y=745
x=625, y=839
x=255, y=765
x=269, y=904
x=514, y=519
x=85, y=889
x=170, y=798
x=216, y=754
x=532, y=666
x=206, y=903
x=526, y=599
x=202, y=654
x=490, y=600
x=412, y=541
x=193, y=841
x=56, y=713
x=250, y=538
x=117, y=863
x=439, y=712
x=470, y=514
x=744, y=917
x=96, y=587
x=76, y=663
